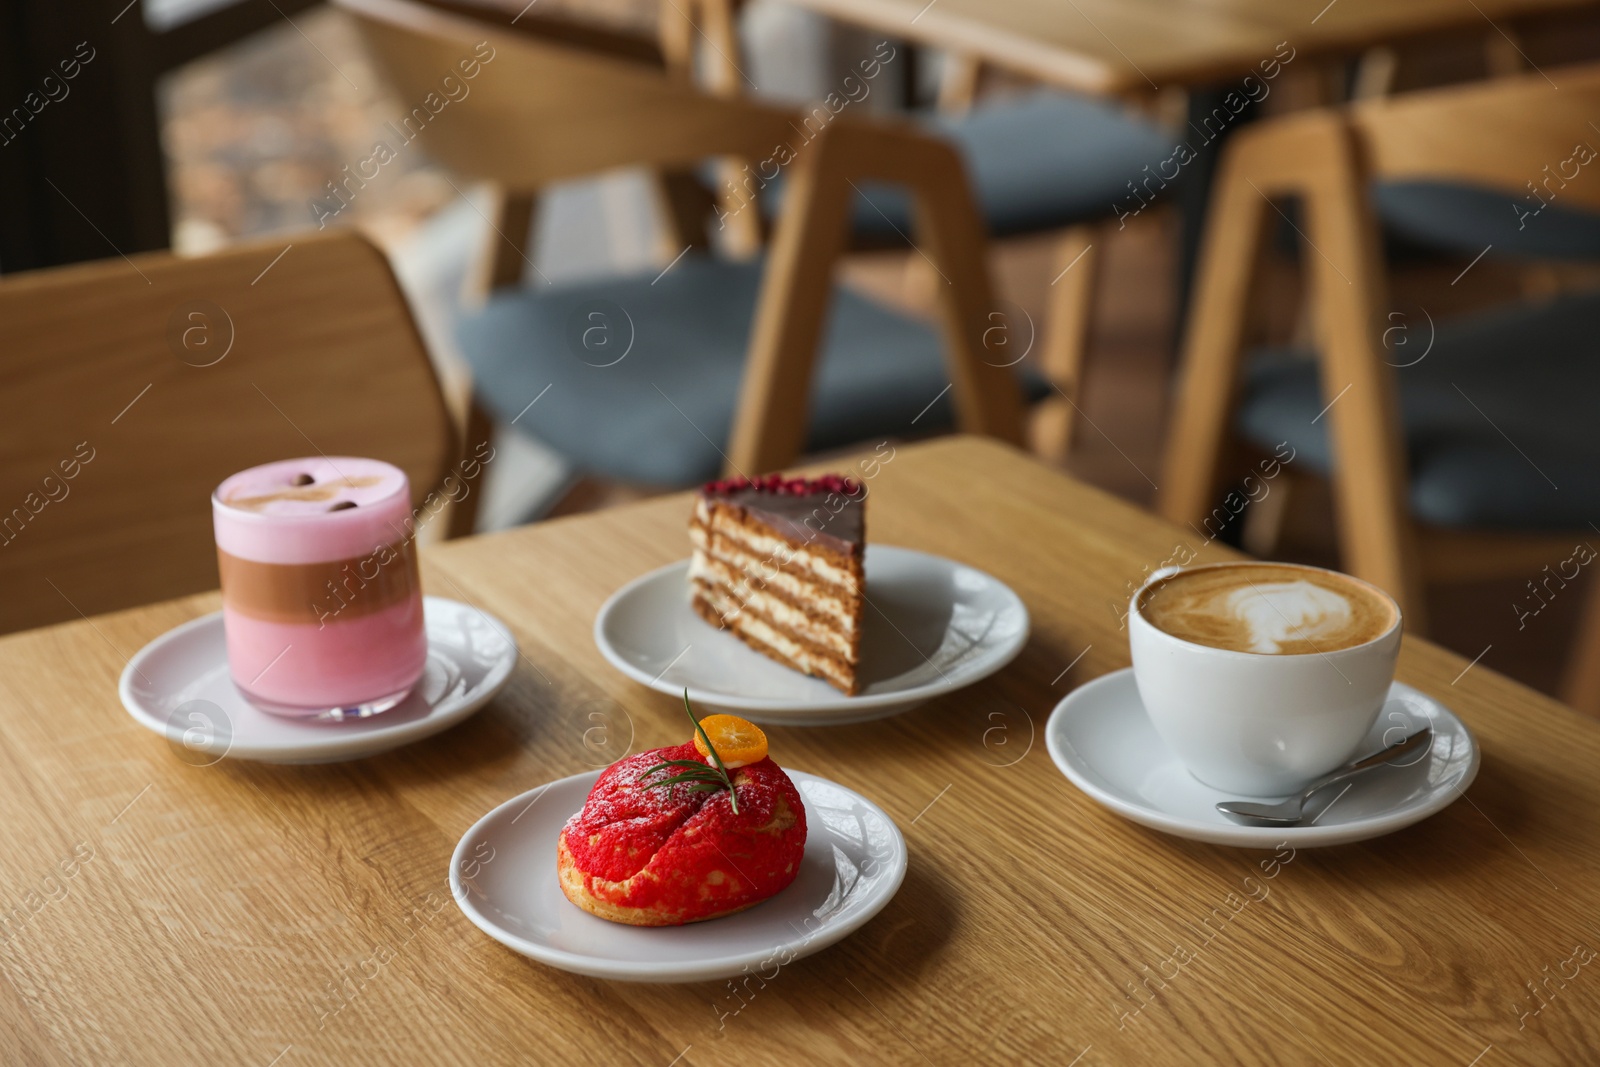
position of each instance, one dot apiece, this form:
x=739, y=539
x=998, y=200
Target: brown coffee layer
x=320, y=592
x=1261, y=608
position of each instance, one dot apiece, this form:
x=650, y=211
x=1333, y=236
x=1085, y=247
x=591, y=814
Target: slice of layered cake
x=778, y=562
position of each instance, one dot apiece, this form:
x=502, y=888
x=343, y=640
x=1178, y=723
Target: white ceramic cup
x=1254, y=724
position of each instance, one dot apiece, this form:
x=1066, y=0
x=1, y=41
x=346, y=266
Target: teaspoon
x=1291, y=811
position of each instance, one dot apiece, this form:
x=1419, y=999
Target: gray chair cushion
x=657, y=411
x=1037, y=162
x=1467, y=219
x=1499, y=413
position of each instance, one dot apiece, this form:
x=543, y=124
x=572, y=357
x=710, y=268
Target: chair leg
x=1262, y=534
x=987, y=396
x=1065, y=343
x=1580, y=687
x=508, y=248
x=1377, y=540
x=675, y=24
x=769, y=428
x=464, y=512
x=769, y=425
x=501, y=264
x=1209, y=370
x=958, y=82
x=685, y=204
x=739, y=211
x=1375, y=72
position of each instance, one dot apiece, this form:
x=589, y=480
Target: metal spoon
x=1290, y=811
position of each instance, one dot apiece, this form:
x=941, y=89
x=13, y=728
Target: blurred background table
x=245, y=913
x=1131, y=47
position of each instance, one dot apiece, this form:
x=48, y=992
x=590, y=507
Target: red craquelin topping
x=625, y=827
x=777, y=483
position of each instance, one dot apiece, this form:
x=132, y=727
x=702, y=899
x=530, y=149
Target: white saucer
x=1102, y=739
x=178, y=685
x=932, y=626
x=503, y=877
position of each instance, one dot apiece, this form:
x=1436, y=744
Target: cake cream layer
x=832, y=632
x=745, y=568
x=714, y=606
x=764, y=571
x=766, y=546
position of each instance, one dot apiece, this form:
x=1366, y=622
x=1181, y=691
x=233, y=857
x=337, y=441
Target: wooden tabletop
x=1130, y=47
x=161, y=913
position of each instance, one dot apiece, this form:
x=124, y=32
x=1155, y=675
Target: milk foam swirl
x=1269, y=609
x=1280, y=612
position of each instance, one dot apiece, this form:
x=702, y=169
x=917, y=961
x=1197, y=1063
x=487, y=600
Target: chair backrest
x=608, y=37
x=1520, y=135
x=134, y=386
x=1514, y=134
x=545, y=105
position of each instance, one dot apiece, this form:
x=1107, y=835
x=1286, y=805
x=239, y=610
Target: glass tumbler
x=321, y=601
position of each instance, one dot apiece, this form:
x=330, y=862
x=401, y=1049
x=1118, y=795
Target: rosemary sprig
x=699, y=775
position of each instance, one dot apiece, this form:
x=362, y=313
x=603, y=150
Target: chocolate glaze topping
x=829, y=511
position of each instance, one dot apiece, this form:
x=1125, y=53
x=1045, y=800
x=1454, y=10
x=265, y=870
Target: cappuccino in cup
x=1268, y=609
x=1262, y=676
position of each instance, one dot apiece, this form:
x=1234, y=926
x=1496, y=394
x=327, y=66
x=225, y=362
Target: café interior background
x=254, y=133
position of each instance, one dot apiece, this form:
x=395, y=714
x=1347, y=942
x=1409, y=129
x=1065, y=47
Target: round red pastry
x=671, y=855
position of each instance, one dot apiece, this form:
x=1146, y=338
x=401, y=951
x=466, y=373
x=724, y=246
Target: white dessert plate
x=1101, y=738
x=503, y=877
x=932, y=626
x=178, y=685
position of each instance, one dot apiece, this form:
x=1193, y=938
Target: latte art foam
x=1268, y=609
x=1281, y=612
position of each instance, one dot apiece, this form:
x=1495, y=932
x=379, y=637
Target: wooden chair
x=134, y=386
x=1416, y=457
x=1045, y=162
x=684, y=202
x=545, y=110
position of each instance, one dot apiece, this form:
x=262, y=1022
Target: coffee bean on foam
x=275, y=488
x=1267, y=608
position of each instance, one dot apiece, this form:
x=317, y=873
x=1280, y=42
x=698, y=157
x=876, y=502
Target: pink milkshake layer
x=321, y=602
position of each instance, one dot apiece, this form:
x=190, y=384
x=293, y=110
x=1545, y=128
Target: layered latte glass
x=321, y=600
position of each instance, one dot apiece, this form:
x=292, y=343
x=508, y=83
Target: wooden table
x=209, y=911
x=1132, y=47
